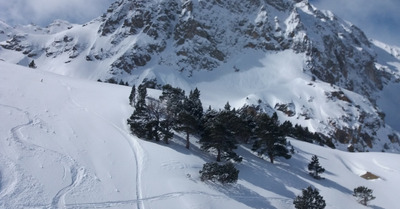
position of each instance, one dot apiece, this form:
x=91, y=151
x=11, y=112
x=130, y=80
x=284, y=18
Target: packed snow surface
x=64, y=143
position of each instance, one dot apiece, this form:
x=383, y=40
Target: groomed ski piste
x=65, y=144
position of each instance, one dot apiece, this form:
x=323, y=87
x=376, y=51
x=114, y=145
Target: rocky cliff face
x=202, y=35
x=198, y=35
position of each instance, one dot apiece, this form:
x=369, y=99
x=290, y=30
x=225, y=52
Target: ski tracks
x=76, y=179
x=140, y=160
x=137, y=151
x=76, y=172
x=172, y=195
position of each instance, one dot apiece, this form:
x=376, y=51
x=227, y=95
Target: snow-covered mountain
x=286, y=53
x=64, y=143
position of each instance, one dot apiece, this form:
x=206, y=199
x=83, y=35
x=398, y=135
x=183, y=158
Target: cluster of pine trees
x=222, y=130
x=219, y=130
x=155, y=119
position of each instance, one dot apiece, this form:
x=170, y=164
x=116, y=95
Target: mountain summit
x=310, y=66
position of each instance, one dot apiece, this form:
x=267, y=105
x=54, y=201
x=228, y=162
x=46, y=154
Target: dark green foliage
x=363, y=195
x=271, y=140
x=32, y=64
x=189, y=118
x=139, y=120
x=310, y=199
x=226, y=173
x=122, y=83
x=151, y=83
x=303, y=134
x=245, y=127
x=141, y=100
x=315, y=168
x=132, y=96
x=149, y=120
x=195, y=105
x=219, y=133
x=173, y=98
x=111, y=80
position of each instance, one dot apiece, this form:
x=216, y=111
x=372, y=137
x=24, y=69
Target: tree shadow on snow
x=299, y=168
x=178, y=144
x=331, y=184
x=244, y=195
x=376, y=207
x=271, y=177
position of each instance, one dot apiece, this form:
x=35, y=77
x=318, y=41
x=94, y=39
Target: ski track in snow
x=172, y=195
x=140, y=163
x=155, y=198
x=8, y=189
x=76, y=178
x=58, y=201
x=134, y=146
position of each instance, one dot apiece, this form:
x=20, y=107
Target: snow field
x=65, y=144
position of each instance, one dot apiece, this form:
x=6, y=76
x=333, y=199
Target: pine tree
x=227, y=106
x=315, y=168
x=150, y=120
x=363, y=195
x=246, y=124
x=196, y=105
x=139, y=120
x=173, y=99
x=310, y=199
x=155, y=114
x=271, y=140
x=141, y=101
x=226, y=173
x=189, y=118
x=32, y=64
x=132, y=96
x=218, y=134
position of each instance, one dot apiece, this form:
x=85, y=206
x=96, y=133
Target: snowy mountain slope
x=182, y=43
x=65, y=144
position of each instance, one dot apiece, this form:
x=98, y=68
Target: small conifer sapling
x=363, y=195
x=310, y=199
x=315, y=168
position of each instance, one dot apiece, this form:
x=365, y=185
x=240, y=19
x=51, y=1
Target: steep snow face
x=4, y=31
x=184, y=44
x=277, y=82
x=64, y=143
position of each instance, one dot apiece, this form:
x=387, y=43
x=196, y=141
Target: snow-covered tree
x=310, y=199
x=363, y=194
x=315, y=168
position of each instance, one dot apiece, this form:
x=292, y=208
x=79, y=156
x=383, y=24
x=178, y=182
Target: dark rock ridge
x=202, y=35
